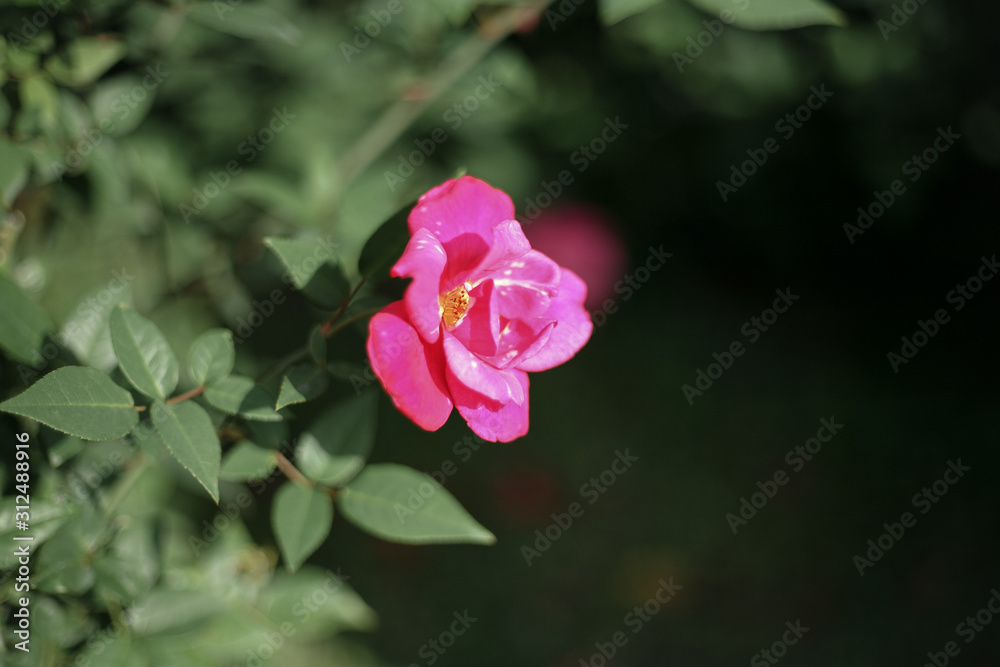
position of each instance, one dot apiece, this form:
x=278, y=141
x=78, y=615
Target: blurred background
x=688, y=167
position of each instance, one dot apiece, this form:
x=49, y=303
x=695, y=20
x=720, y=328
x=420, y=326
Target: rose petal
x=489, y=419
x=526, y=285
x=520, y=340
x=423, y=260
x=411, y=370
x=573, y=329
x=469, y=259
x=464, y=205
x=479, y=330
x=476, y=374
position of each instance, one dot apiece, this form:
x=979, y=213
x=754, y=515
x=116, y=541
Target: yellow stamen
x=454, y=305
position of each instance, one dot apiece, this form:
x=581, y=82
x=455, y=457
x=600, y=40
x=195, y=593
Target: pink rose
x=483, y=310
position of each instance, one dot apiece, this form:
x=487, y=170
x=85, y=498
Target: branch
x=394, y=121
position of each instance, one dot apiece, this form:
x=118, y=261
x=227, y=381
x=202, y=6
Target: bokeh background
x=555, y=83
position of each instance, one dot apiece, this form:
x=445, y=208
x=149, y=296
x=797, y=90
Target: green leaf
x=301, y=519
x=40, y=97
x=23, y=325
x=302, y=383
x=239, y=395
x=335, y=448
x=79, y=401
x=212, y=356
x=613, y=11
x=311, y=267
x=385, y=246
x=245, y=20
x=248, y=461
x=86, y=59
x=775, y=14
x=317, y=345
x=400, y=504
x=87, y=331
x=14, y=169
x=143, y=354
x=345, y=610
x=187, y=431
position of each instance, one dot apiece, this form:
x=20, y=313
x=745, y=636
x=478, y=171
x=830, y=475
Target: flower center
x=454, y=305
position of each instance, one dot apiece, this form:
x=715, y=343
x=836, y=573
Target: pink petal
x=526, y=285
x=477, y=375
x=423, y=260
x=520, y=340
x=479, y=330
x=464, y=205
x=489, y=419
x=411, y=371
x=573, y=329
x=469, y=259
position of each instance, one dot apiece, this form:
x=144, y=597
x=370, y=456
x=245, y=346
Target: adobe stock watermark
x=914, y=168
x=302, y=610
x=797, y=457
x=556, y=14
x=901, y=13
x=752, y=329
x=924, y=500
x=131, y=617
x=778, y=650
x=455, y=116
x=121, y=108
x=786, y=126
x=231, y=510
x=83, y=322
x=926, y=329
x=581, y=158
x=631, y=283
x=381, y=18
x=714, y=28
x=591, y=490
x=635, y=620
x=434, y=648
x=968, y=629
x=250, y=148
x=29, y=27
x=261, y=310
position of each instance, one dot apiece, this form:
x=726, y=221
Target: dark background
x=826, y=357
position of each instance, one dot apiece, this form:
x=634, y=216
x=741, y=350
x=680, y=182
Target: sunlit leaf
x=143, y=353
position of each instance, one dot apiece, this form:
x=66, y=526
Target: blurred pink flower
x=582, y=239
x=483, y=309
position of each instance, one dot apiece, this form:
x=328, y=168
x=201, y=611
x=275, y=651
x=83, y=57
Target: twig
x=291, y=472
x=394, y=121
